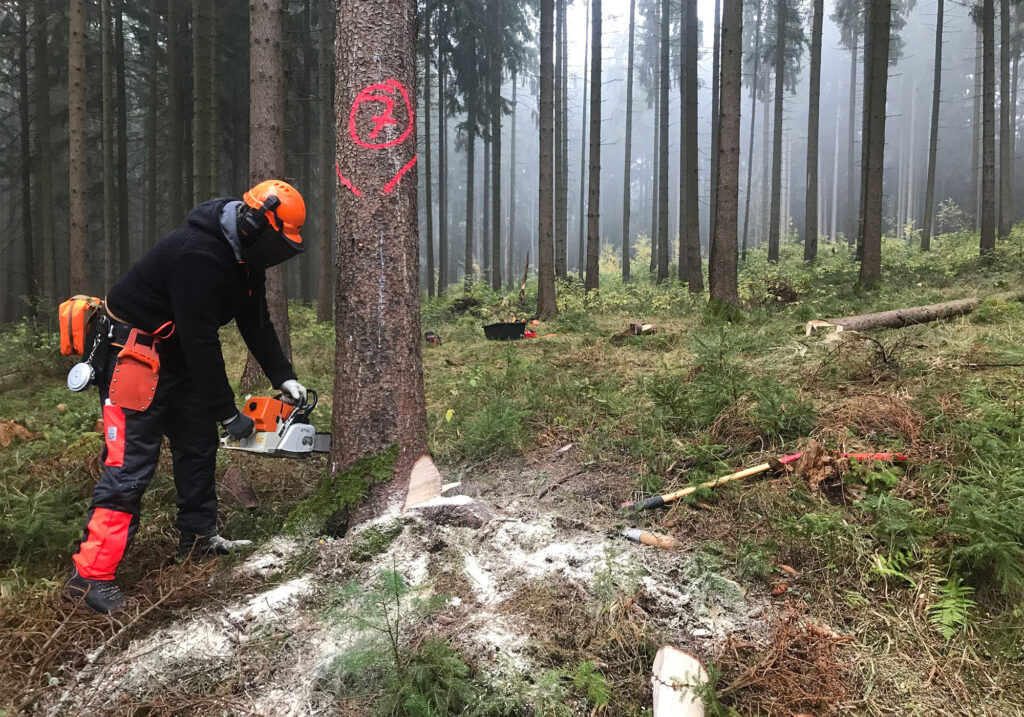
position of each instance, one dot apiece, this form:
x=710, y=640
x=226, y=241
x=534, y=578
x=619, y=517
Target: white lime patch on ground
x=271, y=557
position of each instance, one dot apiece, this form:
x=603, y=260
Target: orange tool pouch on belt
x=133, y=384
x=75, y=315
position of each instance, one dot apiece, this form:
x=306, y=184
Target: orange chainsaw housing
x=267, y=413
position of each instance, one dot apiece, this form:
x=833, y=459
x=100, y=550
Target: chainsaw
x=281, y=429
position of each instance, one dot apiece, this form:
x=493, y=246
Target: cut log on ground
x=675, y=676
x=898, y=318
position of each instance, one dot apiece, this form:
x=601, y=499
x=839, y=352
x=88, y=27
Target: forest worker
x=195, y=280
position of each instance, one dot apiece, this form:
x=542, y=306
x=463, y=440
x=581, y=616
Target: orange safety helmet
x=277, y=206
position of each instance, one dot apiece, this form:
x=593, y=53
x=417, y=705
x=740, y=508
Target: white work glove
x=294, y=392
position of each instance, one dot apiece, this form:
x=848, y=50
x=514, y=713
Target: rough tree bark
x=594, y=199
x=663, y=76
x=546, y=306
x=328, y=180
x=811, y=200
x=933, y=138
x=988, y=129
x=44, y=174
x=722, y=280
x=427, y=152
x=628, y=160
x=107, y=133
x=379, y=401
x=753, y=118
x=561, y=125
x=780, y=89
x=898, y=318
x=691, y=239
x=876, y=79
x=78, y=252
x=266, y=148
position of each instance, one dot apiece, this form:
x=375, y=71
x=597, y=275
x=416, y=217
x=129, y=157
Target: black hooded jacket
x=191, y=277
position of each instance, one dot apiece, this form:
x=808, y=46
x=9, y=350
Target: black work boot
x=103, y=596
x=199, y=547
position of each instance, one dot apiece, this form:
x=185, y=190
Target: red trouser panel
x=107, y=536
x=113, y=435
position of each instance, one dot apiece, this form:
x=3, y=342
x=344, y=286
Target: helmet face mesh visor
x=270, y=249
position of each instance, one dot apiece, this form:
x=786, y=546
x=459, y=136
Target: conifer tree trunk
x=470, y=162
x=594, y=191
x=496, y=178
x=307, y=89
x=933, y=137
x=378, y=380
x=811, y=201
x=977, y=131
x=1006, y=125
x=656, y=172
x=691, y=240
x=876, y=78
x=328, y=179
x=47, y=275
x=201, y=70
x=562, y=168
x=684, y=113
x=149, y=220
x=852, y=219
x=764, y=196
x=581, y=224
x=110, y=271
x=266, y=148
x=561, y=193
x=175, y=113
x=546, y=306
x=753, y=119
x=123, y=234
x=722, y=280
x=28, y=233
x=716, y=80
x=485, y=229
x=443, y=274
x=628, y=161
x=78, y=253
x=988, y=129
x=780, y=71
x=427, y=152
x=513, y=181
x=663, y=76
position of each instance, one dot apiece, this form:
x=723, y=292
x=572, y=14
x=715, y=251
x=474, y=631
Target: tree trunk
x=583, y=145
x=766, y=184
x=665, y=70
x=546, y=306
x=496, y=176
x=378, y=383
x=443, y=274
x=933, y=137
x=594, y=192
x=716, y=81
x=328, y=179
x=470, y=179
x=29, y=236
x=427, y=152
x=833, y=233
x=684, y=113
x=308, y=89
x=78, y=252
x=656, y=171
x=561, y=194
x=149, y=220
x=780, y=88
x=123, y=234
x=1006, y=128
x=976, y=153
x=513, y=183
x=722, y=281
x=852, y=215
x=175, y=113
x=562, y=169
x=200, y=97
x=110, y=272
x=485, y=229
x=47, y=275
x=898, y=318
x=988, y=129
x=811, y=201
x=266, y=149
x=876, y=78
x=753, y=118
x=628, y=161
x=694, y=277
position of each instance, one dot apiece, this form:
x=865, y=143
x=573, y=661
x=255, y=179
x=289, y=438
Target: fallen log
x=675, y=681
x=898, y=318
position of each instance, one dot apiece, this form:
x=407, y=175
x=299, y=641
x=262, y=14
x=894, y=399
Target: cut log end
x=675, y=676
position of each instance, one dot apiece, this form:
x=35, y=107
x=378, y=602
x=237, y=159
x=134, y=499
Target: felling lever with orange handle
x=281, y=429
x=659, y=500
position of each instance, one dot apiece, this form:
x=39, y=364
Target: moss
x=373, y=541
x=997, y=311
x=335, y=494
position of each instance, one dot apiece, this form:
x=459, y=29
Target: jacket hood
x=207, y=216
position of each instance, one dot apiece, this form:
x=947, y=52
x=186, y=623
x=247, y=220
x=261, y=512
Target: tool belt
x=133, y=383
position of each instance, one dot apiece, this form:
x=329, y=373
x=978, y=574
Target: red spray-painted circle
x=387, y=94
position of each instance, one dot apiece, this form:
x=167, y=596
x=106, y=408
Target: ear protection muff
x=254, y=223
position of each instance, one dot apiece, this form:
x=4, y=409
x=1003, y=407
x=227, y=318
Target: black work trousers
x=131, y=450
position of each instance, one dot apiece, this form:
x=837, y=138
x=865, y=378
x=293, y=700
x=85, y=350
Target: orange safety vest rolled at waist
x=133, y=384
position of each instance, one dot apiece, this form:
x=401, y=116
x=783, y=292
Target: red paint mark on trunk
x=398, y=177
x=386, y=93
x=345, y=182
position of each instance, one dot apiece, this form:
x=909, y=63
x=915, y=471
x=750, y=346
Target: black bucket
x=505, y=330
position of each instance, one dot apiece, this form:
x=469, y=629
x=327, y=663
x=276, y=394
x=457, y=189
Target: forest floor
x=860, y=589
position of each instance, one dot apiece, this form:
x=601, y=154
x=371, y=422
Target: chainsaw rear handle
x=301, y=413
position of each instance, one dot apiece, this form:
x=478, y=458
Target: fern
x=952, y=610
x=893, y=565
x=588, y=679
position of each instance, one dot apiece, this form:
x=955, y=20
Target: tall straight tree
x=628, y=161
x=665, y=70
x=546, y=303
x=689, y=242
x=44, y=160
x=988, y=128
x=933, y=138
x=78, y=252
x=561, y=125
x=811, y=200
x=583, y=143
x=1006, y=126
x=754, y=86
x=470, y=185
x=722, y=267
x=849, y=16
x=427, y=151
x=202, y=116
x=149, y=222
x=328, y=181
x=29, y=237
x=378, y=377
x=266, y=147
x=496, y=109
x=562, y=168
x=175, y=111
x=876, y=79
x=513, y=184
x=110, y=269
x=123, y=253
x=443, y=277
x=594, y=200
x=716, y=79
